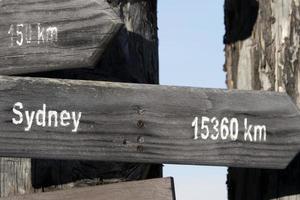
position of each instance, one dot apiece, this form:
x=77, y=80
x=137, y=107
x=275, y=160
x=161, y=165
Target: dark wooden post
x=132, y=57
x=262, y=53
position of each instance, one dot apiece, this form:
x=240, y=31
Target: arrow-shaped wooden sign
x=47, y=35
x=154, y=189
x=64, y=119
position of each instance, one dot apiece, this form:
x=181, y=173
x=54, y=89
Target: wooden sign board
x=65, y=119
x=40, y=36
x=155, y=189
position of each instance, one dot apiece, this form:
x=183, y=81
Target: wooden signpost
x=156, y=189
x=65, y=119
x=40, y=36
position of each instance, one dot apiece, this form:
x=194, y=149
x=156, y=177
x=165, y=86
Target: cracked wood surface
x=265, y=57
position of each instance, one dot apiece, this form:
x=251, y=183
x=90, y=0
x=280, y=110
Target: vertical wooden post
x=132, y=57
x=262, y=53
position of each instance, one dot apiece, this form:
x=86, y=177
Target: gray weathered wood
x=146, y=123
x=265, y=57
x=155, y=189
x=131, y=57
x=47, y=35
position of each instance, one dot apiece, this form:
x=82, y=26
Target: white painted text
x=45, y=118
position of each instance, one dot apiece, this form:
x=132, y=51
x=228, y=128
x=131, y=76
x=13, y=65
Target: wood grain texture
x=47, y=35
x=131, y=57
x=155, y=189
x=267, y=59
x=146, y=123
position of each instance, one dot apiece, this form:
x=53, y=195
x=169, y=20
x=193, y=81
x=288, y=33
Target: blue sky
x=191, y=54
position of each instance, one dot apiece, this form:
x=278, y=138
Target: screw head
x=140, y=148
x=141, y=111
x=140, y=124
x=141, y=140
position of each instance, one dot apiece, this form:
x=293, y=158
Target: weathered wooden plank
x=266, y=59
x=47, y=35
x=65, y=119
x=132, y=56
x=155, y=189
